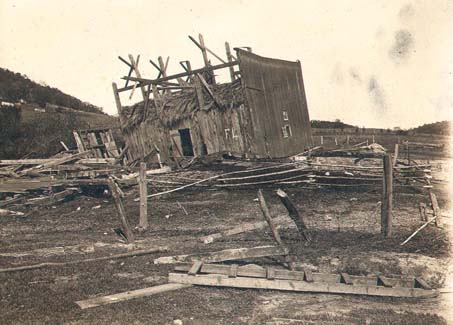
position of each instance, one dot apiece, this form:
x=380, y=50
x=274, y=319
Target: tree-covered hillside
x=15, y=86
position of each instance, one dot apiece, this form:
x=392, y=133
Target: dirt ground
x=344, y=224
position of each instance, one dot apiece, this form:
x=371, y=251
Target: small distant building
x=261, y=113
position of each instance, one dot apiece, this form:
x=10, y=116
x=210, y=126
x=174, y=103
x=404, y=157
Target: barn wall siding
x=273, y=86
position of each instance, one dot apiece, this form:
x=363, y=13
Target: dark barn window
x=186, y=142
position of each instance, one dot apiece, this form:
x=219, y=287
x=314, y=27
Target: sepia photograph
x=226, y=162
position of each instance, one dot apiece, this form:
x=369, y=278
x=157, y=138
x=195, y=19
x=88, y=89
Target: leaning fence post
x=387, y=198
x=142, y=182
x=120, y=208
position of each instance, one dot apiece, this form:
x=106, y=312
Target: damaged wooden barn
x=261, y=113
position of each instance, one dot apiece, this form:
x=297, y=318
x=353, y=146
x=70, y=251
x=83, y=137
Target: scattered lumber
x=128, y=295
x=225, y=255
x=246, y=227
x=294, y=214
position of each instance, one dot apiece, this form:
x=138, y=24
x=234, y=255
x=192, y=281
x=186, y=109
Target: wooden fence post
x=387, y=198
x=143, y=185
x=120, y=208
x=395, y=155
x=322, y=140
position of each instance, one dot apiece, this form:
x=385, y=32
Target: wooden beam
x=225, y=255
x=144, y=82
x=245, y=227
x=387, y=198
x=298, y=286
x=269, y=220
x=114, y=190
x=294, y=214
x=137, y=73
x=128, y=295
x=207, y=63
x=119, y=108
x=230, y=59
x=143, y=185
x=208, y=89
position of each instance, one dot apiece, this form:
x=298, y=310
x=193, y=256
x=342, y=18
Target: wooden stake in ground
x=436, y=209
x=120, y=208
x=294, y=214
x=143, y=185
x=387, y=198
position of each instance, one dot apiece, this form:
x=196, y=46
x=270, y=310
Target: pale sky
x=368, y=63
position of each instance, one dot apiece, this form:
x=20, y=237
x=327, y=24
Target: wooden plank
x=384, y=281
x=143, y=188
x=246, y=227
x=387, y=198
x=79, y=142
x=436, y=209
x=128, y=295
x=53, y=198
x=345, y=278
x=137, y=73
x=13, y=162
x=294, y=214
x=298, y=286
x=120, y=209
x=269, y=220
x=224, y=255
x=119, y=107
x=195, y=268
x=308, y=276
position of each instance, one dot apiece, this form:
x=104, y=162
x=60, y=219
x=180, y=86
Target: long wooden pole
x=143, y=221
x=387, y=198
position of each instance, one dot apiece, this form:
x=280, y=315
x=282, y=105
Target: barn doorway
x=186, y=142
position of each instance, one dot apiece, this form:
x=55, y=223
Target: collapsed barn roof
x=183, y=104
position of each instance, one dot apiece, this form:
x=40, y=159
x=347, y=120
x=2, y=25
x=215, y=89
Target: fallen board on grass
x=225, y=255
x=128, y=295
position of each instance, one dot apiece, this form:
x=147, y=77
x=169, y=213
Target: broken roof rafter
x=145, y=82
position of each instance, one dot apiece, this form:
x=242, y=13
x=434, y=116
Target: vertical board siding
x=273, y=86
